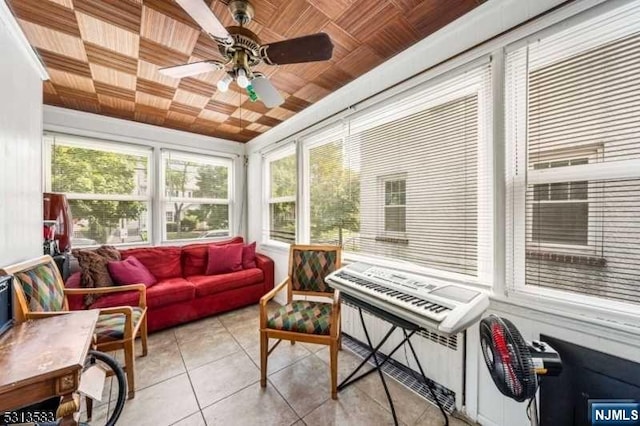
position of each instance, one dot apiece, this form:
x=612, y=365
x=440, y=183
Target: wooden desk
x=43, y=358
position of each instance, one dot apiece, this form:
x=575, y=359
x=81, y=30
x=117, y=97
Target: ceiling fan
x=241, y=50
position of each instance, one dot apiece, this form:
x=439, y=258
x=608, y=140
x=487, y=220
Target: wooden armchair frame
x=333, y=339
x=131, y=330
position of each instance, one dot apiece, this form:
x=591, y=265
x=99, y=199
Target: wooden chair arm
x=335, y=313
x=141, y=288
x=265, y=299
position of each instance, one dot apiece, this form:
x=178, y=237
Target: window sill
x=616, y=324
x=574, y=259
x=392, y=240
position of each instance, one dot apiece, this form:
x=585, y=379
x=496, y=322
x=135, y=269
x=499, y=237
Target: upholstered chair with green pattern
x=40, y=293
x=305, y=320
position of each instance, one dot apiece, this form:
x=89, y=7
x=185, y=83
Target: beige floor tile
x=251, y=406
x=247, y=334
x=189, y=331
x=305, y=384
x=224, y=377
x=353, y=408
x=409, y=407
x=433, y=417
x=195, y=419
x=282, y=356
x=312, y=347
x=162, y=362
x=347, y=362
x=248, y=313
x=158, y=338
x=207, y=347
x=161, y=404
x=99, y=417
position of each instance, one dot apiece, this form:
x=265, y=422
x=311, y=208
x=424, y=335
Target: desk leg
x=68, y=407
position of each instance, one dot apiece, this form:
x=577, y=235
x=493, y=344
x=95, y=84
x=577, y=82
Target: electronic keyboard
x=446, y=308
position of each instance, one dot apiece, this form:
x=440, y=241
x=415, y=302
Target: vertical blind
x=106, y=185
x=196, y=192
x=409, y=179
x=573, y=114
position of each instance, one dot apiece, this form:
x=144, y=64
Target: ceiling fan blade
x=314, y=47
x=194, y=68
x=208, y=21
x=268, y=94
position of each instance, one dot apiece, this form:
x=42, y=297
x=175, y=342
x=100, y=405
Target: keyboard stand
x=408, y=329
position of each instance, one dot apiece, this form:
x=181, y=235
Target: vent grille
x=404, y=375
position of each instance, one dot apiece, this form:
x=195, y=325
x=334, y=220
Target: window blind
x=281, y=183
x=196, y=193
x=410, y=179
x=573, y=108
x=107, y=187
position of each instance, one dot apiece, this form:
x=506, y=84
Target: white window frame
x=278, y=154
x=382, y=181
x=201, y=159
x=107, y=146
x=418, y=99
x=518, y=177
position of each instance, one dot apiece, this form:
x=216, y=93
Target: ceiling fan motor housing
x=242, y=11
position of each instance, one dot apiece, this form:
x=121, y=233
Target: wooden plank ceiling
x=103, y=55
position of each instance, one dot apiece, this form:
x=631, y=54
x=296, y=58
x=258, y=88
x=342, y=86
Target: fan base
x=242, y=11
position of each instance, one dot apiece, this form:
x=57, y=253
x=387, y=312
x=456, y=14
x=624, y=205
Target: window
x=107, y=187
x=280, y=171
x=574, y=148
x=395, y=204
x=408, y=179
x=198, y=199
x=560, y=210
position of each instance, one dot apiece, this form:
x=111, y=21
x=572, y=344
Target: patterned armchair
x=304, y=320
x=40, y=293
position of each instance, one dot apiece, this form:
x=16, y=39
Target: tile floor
x=207, y=373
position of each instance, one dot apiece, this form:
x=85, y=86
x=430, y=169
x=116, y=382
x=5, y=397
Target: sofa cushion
x=249, y=256
x=212, y=284
x=196, y=256
x=162, y=262
x=131, y=271
x=163, y=293
x=224, y=259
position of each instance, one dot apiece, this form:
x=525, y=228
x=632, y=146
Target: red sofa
x=183, y=292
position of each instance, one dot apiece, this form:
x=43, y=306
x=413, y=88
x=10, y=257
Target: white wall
x=20, y=146
x=85, y=124
x=483, y=401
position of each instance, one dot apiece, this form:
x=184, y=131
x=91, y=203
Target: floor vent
x=403, y=374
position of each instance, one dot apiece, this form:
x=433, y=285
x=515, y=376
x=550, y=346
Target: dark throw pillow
x=131, y=271
x=249, y=256
x=224, y=259
x=93, y=269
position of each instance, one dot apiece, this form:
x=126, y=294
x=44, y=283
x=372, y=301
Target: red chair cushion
x=212, y=284
x=196, y=256
x=165, y=292
x=162, y=262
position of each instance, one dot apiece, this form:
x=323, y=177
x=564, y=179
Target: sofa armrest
x=266, y=264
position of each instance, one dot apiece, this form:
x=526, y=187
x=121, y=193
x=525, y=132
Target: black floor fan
x=514, y=364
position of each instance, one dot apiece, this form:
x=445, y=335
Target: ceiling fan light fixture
x=242, y=79
x=224, y=82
